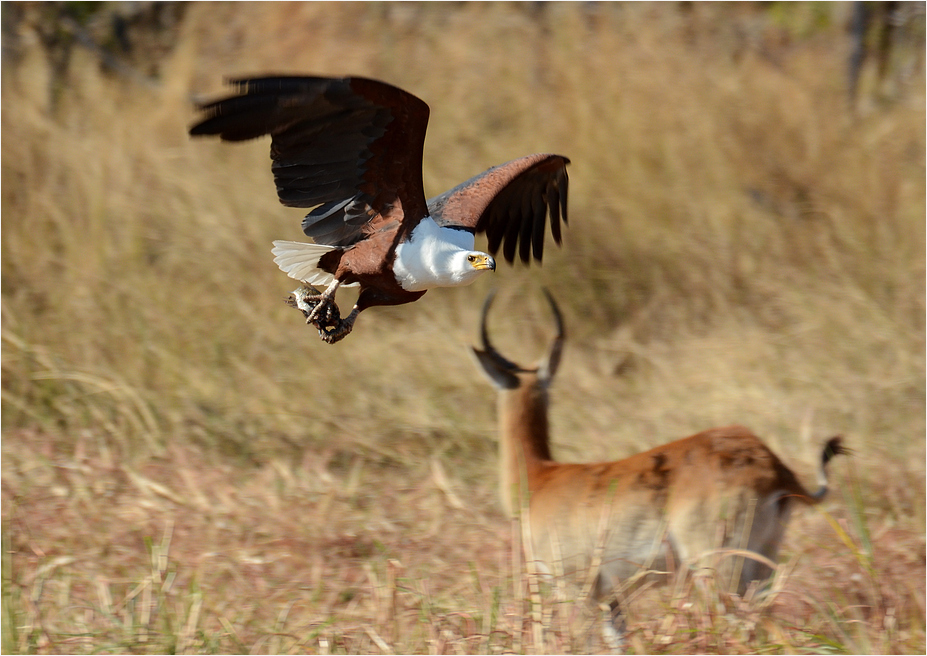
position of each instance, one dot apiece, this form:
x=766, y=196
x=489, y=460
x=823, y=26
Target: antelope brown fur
x=719, y=489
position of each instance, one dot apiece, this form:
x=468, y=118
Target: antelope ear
x=499, y=376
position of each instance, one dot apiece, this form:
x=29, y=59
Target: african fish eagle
x=351, y=149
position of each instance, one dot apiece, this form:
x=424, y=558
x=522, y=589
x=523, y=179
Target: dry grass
x=187, y=468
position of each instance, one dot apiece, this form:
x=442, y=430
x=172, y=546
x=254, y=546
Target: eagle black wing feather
x=348, y=147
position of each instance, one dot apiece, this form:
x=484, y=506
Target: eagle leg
x=325, y=311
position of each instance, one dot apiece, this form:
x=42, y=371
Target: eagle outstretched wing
x=510, y=203
x=348, y=147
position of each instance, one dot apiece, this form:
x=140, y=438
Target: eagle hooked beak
x=481, y=261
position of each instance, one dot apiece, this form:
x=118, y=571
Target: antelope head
x=505, y=374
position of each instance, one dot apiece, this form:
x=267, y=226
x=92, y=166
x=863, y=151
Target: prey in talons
x=327, y=318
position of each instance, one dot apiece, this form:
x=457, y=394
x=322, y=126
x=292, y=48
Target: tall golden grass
x=742, y=248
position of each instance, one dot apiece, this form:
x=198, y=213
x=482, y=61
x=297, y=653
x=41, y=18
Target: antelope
x=610, y=522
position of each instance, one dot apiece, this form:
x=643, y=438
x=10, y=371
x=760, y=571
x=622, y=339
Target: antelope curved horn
x=548, y=366
x=488, y=348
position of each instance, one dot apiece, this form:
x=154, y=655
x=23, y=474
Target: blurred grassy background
x=746, y=245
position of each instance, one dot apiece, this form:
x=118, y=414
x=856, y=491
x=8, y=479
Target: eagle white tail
x=300, y=260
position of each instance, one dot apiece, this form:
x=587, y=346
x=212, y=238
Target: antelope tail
x=833, y=447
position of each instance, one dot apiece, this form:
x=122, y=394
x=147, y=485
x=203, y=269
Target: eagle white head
x=439, y=257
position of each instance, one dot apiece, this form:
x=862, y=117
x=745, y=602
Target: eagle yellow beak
x=482, y=261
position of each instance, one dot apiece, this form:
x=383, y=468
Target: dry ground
x=187, y=468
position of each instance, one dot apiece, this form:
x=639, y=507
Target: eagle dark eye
x=471, y=258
